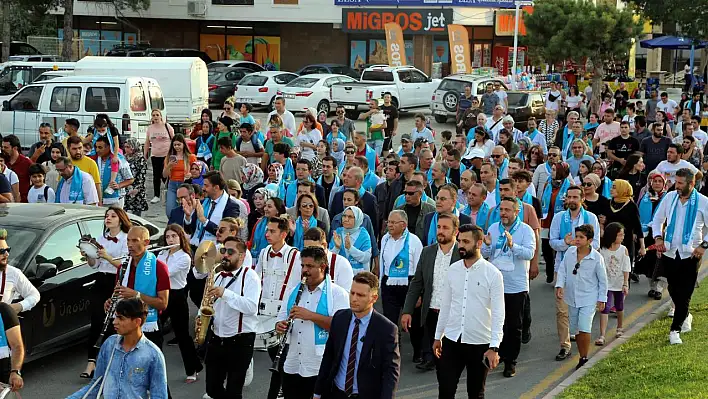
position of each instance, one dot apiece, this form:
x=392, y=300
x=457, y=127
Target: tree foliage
x=689, y=16
x=560, y=30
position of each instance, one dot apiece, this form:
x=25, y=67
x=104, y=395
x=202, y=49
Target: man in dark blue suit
x=184, y=191
x=354, y=178
x=445, y=202
x=361, y=358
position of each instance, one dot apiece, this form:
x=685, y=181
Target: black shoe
x=426, y=366
x=526, y=337
x=509, y=369
x=417, y=359
x=634, y=277
x=581, y=362
x=657, y=295
x=173, y=342
x=549, y=279
x=651, y=293
x=563, y=354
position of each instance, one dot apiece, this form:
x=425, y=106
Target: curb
x=600, y=355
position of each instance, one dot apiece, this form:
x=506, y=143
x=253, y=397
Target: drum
x=266, y=337
x=89, y=246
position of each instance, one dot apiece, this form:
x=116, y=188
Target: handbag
x=101, y=379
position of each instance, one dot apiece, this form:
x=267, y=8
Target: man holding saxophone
x=310, y=317
x=235, y=292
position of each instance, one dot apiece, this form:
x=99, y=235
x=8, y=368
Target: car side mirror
x=6, y=105
x=46, y=271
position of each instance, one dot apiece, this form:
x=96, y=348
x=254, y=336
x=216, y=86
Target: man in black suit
x=433, y=257
x=354, y=178
x=184, y=191
x=445, y=202
x=362, y=334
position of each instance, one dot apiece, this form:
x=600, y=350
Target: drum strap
x=292, y=252
x=240, y=314
x=2, y=289
x=331, y=265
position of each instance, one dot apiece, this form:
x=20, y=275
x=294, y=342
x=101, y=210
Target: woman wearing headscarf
x=600, y=169
x=275, y=177
x=252, y=177
x=197, y=170
x=351, y=241
x=306, y=218
x=650, y=198
x=624, y=211
x=335, y=133
x=136, y=198
x=338, y=150
x=52, y=177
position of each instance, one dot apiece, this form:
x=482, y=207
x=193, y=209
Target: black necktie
x=351, y=364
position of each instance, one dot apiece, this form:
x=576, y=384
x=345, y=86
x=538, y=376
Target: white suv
x=445, y=98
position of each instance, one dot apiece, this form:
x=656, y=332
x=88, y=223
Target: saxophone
x=206, y=309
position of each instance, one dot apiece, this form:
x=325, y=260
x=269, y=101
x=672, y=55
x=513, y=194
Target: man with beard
x=15, y=284
x=471, y=320
x=467, y=179
x=236, y=289
x=84, y=163
x=654, y=148
x=426, y=289
x=489, y=174
x=445, y=202
x=340, y=270
x=561, y=237
x=311, y=318
x=75, y=186
x=673, y=163
x=18, y=163
x=510, y=245
x=682, y=245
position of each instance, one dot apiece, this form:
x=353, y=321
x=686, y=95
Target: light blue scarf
x=527, y=198
x=546, y=198
x=401, y=200
x=370, y=181
x=462, y=169
x=4, y=346
x=433, y=230
x=688, y=221
x=336, y=183
x=400, y=265
x=362, y=242
x=298, y=241
x=606, y=187
x=321, y=334
x=291, y=193
x=96, y=135
x=76, y=191
x=494, y=217
x=371, y=157
x=203, y=147
x=288, y=172
x=146, y=283
x=501, y=240
x=646, y=211
x=502, y=169
x=531, y=134
x=482, y=214
x=259, y=237
x=566, y=225
x=106, y=176
x=206, y=205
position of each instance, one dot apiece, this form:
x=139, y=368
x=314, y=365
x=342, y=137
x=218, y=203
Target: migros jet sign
x=431, y=21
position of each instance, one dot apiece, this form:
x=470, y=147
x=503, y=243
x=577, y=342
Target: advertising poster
x=395, y=45
x=441, y=51
x=377, y=52
x=357, y=51
x=409, y=52
x=109, y=39
x=460, y=48
x=263, y=50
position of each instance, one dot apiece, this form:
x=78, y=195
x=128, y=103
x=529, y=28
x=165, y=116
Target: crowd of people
x=314, y=222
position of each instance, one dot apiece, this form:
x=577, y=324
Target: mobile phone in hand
x=485, y=361
x=173, y=158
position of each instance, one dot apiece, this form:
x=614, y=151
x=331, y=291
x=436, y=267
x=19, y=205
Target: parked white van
x=15, y=75
x=184, y=81
x=128, y=101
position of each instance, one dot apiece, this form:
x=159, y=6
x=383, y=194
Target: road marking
x=568, y=364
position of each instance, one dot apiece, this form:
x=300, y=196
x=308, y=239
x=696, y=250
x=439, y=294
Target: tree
x=110, y=7
x=560, y=30
x=689, y=16
x=26, y=18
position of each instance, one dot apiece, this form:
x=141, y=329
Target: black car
x=525, y=104
x=44, y=239
x=222, y=83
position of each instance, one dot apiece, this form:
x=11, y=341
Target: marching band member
x=114, y=241
x=178, y=261
x=275, y=268
x=17, y=285
x=311, y=319
x=340, y=270
x=236, y=289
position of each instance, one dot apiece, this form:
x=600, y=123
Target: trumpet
x=205, y=262
x=276, y=362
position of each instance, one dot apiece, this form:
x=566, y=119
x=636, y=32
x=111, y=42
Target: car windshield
x=19, y=240
x=517, y=99
x=253, y=81
x=303, y=82
x=455, y=85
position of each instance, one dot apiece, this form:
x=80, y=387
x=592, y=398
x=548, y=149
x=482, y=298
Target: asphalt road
x=57, y=376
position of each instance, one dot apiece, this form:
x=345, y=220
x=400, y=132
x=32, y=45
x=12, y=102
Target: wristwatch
x=19, y=374
x=704, y=245
x=494, y=348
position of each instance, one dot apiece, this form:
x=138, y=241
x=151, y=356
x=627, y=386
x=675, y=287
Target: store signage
x=459, y=49
x=430, y=21
x=505, y=22
x=395, y=47
x=428, y=3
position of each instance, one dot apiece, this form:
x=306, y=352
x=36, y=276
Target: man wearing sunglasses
x=543, y=172
x=15, y=285
x=346, y=125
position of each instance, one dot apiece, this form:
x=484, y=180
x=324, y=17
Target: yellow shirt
x=66, y=146
x=89, y=166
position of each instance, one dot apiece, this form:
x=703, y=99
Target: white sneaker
x=686, y=326
x=155, y=200
x=671, y=312
x=206, y=396
x=249, y=375
x=674, y=338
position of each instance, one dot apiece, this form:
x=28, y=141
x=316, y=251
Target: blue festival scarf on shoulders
x=106, y=176
x=606, y=187
x=688, y=221
x=362, y=243
x=298, y=241
x=146, y=283
x=400, y=265
x=502, y=169
x=482, y=214
x=4, y=346
x=433, y=230
x=370, y=181
x=527, y=199
x=259, y=237
x=321, y=334
x=288, y=172
x=546, y=198
x=501, y=240
x=371, y=157
x=462, y=169
x=647, y=211
x=96, y=135
x=567, y=136
x=401, y=200
x=76, y=191
x=335, y=184
x=566, y=225
x=204, y=147
x=340, y=135
x=291, y=193
x=531, y=134
x=494, y=216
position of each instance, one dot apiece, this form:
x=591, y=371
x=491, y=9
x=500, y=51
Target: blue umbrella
x=675, y=43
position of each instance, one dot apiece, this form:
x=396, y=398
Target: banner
x=459, y=49
x=428, y=3
x=421, y=21
x=395, y=48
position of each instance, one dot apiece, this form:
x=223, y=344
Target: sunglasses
x=350, y=152
x=229, y=251
x=552, y=155
x=411, y=193
x=223, y=230
x=587, y=184
x=308, y=206
x=340, y=112
x=228, y=109
x=496, y=156
x=45, y=124
x=575, y=269
x=4, y=251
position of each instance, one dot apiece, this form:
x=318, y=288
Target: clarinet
x=110, y=314
x=276, y=362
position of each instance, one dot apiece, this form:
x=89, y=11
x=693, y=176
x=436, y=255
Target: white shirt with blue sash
x=665, y=213
x=557, y=240
x=513, y=262
x=390, y=248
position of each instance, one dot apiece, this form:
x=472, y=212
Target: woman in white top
x=178, y=261
x=573, y=99
x=308, y=137
x=483, y=141
x=114, y=241
x=52, y=177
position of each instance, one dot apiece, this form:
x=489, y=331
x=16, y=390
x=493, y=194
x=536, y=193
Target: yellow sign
x=459, y=49
x=395, y=47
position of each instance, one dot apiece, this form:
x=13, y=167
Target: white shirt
x=11, y=176
x=515, y=267
x=553, y=105
x=473, y=305
x=617, y=263
x=178, y=265
x=239, y=302
x=669, y=169
x=390, y=248
x=273, y=271
x=114, y=249
x=502, y=96
x=588, y=285
x=343, y=272
x=36, y=195
x=312, y=137
x=18, y=286
x=216, y=217
x=629, y=120
x=425, y=133
x=494, y=127
x=558, y=243
x=491, y=199
x=664, y=213
x=667, y=107
x=303, y=357
x=442, y=265
x=124, y=173
x=288, y=120
x=88, y=185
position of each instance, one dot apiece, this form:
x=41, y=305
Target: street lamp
x=518, y=4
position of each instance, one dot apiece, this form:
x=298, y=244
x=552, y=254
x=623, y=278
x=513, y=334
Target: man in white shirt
x=561, y=236
x=667, y=105
x=236, y=289
x=16, y=285
x=673, y=163
x=501, y=93
x=398, y=260
x=286, y=116
x=495, y=123
x=682, y=245
x=73, y=191
x=307, y=314
x=489, y=175
x=510, y=244
x=339, y=270
x=422, y=131
x=470, y=325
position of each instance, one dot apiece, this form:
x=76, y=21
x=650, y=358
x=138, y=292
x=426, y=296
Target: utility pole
x=518, y=5
x=6, y=36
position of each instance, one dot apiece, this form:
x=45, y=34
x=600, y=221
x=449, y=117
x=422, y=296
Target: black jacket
x=464, y=219
x=230, y=210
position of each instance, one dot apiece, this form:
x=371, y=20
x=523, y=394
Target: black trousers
x=455, y=357
x=513, y=320
x=526, y=324
x=178, y=311
x=431, y=322
x=5, y=367
x=228, y=360
x=276, y=378
x=158, y=163
x=195, y=287
x=549, y=257
x=296, y=386
x=681, y=274
x=393, y=298
x=100, y=292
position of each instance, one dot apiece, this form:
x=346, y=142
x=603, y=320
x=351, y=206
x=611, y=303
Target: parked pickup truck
x=409, y=88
